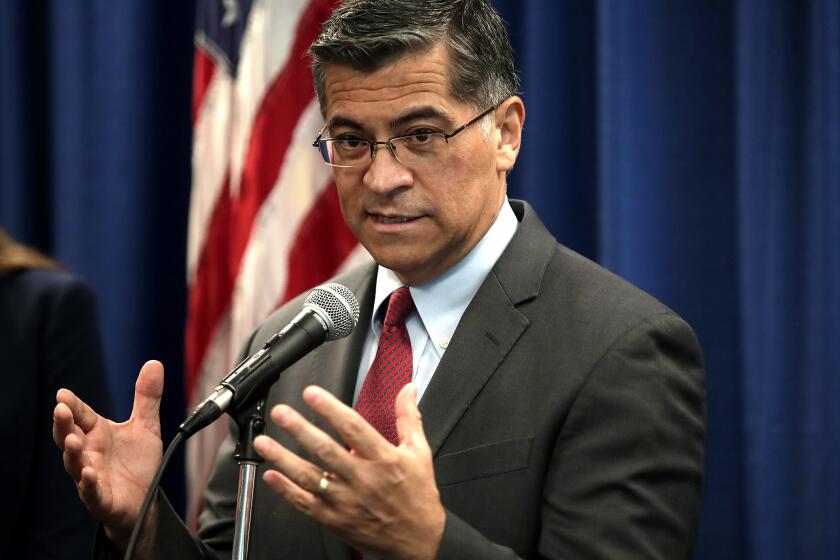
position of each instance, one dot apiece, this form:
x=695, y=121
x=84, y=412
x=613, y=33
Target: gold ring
x=324, y=484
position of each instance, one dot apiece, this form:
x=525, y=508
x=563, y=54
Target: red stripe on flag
x=271, y=135
x=322, y=243
x=210, y=291
x=203, y=70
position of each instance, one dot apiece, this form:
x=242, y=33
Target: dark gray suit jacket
x=566, y=420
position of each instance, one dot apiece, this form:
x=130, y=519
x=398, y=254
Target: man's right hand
x=113, y=464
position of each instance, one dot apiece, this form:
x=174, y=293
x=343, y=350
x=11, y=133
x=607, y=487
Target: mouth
x=391, y=219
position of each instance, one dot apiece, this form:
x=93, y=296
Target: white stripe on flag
x=202, y=447
x=210, y=158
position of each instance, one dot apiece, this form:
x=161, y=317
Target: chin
x=405, y=265
x=394, y=263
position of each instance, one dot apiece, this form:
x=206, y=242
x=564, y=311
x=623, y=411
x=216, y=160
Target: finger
x=63, y=425
x=91, y=491
x=302, y=500
x=409, y=422
x=354, y=430
x=148, y=391
x=303, y=473
x=328, y=510
x=326, y=451
x=74, y=456
x=83, y=415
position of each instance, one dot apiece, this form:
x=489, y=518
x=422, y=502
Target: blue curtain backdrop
x=95, y=168
x=692, y=147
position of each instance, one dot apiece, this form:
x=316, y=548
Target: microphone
x=329, y=312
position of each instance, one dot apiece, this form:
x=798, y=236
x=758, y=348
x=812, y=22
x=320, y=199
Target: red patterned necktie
x=391, y=368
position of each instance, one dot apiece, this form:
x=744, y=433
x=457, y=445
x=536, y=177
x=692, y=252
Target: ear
x=509, y=120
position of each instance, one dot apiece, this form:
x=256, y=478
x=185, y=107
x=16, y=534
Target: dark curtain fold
x=692, y=147
x=95, y=170
x=788, y=183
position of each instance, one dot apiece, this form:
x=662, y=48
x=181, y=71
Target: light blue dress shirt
x=439, y=304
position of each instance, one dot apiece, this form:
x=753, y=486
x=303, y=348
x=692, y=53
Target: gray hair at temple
x=368, y=34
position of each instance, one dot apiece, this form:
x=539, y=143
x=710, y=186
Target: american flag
x=265, y=223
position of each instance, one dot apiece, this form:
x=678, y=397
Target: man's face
x=416, y=219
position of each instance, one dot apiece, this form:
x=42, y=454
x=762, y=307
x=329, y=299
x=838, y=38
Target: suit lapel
x=489, y=329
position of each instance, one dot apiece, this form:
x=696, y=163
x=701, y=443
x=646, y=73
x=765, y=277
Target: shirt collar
x=441, y=302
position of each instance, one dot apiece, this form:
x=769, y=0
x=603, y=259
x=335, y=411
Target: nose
x=385, y=174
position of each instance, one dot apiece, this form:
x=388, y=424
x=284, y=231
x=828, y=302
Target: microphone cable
x=152, y=493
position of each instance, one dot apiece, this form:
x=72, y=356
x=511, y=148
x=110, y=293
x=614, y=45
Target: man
x=562, y=409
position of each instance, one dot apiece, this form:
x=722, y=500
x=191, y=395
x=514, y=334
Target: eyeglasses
x=426, y=146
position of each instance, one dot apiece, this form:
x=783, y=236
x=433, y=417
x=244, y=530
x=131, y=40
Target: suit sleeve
x=625, y=477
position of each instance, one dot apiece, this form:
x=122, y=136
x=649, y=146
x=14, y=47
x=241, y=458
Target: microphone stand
x=251, y=422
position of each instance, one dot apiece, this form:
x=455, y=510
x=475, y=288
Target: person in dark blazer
x=50, y=339
x=553, y=410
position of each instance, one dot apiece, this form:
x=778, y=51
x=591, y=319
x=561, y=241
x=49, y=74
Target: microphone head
x=338, y=304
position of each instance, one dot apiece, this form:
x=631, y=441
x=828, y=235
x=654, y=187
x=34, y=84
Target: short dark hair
x=367, y=34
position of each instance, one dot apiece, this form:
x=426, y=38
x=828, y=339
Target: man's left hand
x=380, y=498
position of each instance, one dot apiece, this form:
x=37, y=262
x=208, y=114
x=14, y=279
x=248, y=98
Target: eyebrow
x=427, y=112
x=338, y=120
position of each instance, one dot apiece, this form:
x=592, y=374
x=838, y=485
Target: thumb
x=409, y=423
x=148, y=391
